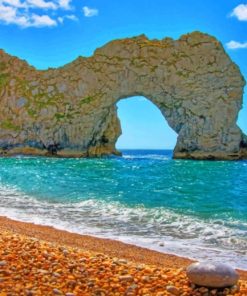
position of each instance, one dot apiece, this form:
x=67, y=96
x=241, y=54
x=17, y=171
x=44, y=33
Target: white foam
x=181, y=234
x=146, y=156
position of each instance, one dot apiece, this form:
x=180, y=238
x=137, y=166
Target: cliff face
x=71, y=111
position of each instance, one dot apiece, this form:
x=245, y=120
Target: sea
x=196, y=209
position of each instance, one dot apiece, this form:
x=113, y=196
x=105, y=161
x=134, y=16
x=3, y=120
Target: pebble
x=56, y=274
x=127, y=278
x=122, y=261
x=3, y=263
x=38, y=268
x=234, y=289
x=146, y=278
x=212, y=275
x=133, y=287
x=203, y=290
x=173, y=290
x=57, y=292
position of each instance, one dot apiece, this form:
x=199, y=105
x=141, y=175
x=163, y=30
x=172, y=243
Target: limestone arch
x=70, y=111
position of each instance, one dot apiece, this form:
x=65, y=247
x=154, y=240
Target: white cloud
x=236, y=45
x=30, y=13
x=89, y=12
x=42, y=21
x=10, y=15
x=7, y=13
x=14, y=3
x=65, y=4
x=240, y=12
x=42, y=4
x=60, y=19
x=71, y=17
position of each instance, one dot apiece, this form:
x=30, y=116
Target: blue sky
x=50, y=33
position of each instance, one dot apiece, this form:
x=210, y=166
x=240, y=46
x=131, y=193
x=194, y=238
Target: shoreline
x=109, y=247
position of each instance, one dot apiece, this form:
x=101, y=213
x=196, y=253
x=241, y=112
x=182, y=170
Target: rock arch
x=71, y=111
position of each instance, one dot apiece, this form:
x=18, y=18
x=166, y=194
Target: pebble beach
x=41, y=260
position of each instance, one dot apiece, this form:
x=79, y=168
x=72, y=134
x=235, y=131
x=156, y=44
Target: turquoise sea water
x=194, y=208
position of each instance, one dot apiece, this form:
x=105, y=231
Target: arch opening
x=143, y=126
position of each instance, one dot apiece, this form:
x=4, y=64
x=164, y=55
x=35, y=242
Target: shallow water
x=196, y=208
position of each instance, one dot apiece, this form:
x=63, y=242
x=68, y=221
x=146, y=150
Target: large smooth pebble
x=212, y=275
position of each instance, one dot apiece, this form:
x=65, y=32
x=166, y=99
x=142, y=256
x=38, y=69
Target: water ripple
x=196, y=208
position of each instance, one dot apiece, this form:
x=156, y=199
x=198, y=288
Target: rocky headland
x=71, y=111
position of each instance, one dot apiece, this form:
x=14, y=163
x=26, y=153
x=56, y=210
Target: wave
x=158, y=228
x=146, y=156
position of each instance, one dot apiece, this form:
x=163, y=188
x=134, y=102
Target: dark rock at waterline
x=212, y=275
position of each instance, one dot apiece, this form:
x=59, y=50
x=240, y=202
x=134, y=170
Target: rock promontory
x=71, y=111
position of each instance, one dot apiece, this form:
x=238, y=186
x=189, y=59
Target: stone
x=56, y=274
x=57, y=292
x=3, y=263
x=145, y=278
x=212, y=275
x=122, y=261
x=71, y=111
x=126, y=278
x=173, y=290
x=234, y=289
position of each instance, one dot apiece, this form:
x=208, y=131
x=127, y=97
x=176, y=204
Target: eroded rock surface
x=71, y=111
